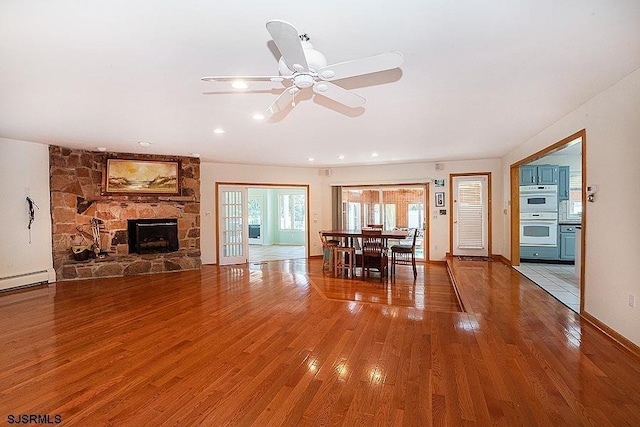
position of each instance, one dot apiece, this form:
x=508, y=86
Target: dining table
x=349, y=235
x=349, y=238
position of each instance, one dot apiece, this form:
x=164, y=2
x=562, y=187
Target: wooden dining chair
x=373, y=253
x=344, y=261
x=328, y=252
x=404, y=254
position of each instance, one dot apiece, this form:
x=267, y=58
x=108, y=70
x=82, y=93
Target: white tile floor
x=258, y=253
x=557, y=279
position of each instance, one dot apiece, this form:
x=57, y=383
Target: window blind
x=470, y=211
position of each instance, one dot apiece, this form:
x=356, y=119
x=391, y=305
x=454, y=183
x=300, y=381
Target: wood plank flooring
x=247, y=346
x=431, y=291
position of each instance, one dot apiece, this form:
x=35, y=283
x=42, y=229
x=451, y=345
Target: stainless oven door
x=538, y=232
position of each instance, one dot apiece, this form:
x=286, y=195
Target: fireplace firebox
x=152, y=235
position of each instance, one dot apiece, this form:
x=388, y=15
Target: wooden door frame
x=515, y=200
x=258, y=185
x=489, y=217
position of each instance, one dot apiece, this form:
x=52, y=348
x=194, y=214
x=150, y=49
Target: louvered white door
x=470, y=219
x=232, y=225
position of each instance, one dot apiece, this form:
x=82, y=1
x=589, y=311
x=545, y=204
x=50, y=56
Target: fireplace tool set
x=82, y=251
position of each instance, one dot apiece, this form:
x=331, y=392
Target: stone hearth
x=127, y=265
x=76, y=198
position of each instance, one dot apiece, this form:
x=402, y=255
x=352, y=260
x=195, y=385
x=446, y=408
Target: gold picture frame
x=141, y=177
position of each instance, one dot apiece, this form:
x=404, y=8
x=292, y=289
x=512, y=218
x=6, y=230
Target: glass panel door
x=232, y=215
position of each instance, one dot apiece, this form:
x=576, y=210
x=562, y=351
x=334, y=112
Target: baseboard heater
x=27, y=279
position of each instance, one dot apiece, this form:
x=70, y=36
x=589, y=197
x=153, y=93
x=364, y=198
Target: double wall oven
x=539, y=215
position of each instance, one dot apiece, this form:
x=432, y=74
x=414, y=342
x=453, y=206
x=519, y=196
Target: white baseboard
x=33, y=278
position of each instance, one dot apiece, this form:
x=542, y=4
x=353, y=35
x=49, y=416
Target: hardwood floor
x=261, y=346
x=431, y=291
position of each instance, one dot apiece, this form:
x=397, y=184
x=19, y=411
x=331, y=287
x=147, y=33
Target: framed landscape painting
x=141, y=177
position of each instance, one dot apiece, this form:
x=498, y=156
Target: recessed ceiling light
x=144, y=143
x=310, y=159
x=195, y=154
x=239, y=85
x=374, y=154
x=258, y=116
x=101, y=148
x=341, y=157
x=219, y=131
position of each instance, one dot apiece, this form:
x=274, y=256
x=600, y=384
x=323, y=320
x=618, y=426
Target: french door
x=470, y=215
x=232, y=219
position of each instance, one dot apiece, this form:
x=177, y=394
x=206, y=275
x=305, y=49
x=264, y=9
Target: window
x=354, y=216
x=254, y=211
x=389, y=215
x=415, y=215
x=291, y=211
x=574, y=210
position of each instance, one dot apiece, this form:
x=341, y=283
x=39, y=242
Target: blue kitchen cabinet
x=539, y=175
x=539, y=252
x=563, y=183
x=528, y=175
x=548, y=175
x=567, y=242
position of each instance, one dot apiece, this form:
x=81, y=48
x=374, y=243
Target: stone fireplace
x=77, y=201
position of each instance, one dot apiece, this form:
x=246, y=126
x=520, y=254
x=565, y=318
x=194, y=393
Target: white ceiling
x=479, y=78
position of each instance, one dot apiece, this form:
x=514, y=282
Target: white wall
x=612, y=232
x=320, y=194
x=24, y=171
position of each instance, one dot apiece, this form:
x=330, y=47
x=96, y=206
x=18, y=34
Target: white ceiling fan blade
x=283, y=100
x=338, y=94
x=247, y=78
x=357, y=67
x=286, y=38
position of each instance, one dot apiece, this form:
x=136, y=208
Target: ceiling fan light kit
x=309, y=69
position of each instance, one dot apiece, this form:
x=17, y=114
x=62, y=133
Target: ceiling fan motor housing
x=303, y=81
x=315, y=60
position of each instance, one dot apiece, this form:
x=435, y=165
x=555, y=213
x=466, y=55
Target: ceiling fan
x=305, y=67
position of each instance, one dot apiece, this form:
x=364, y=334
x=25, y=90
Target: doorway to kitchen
x=547, y=219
